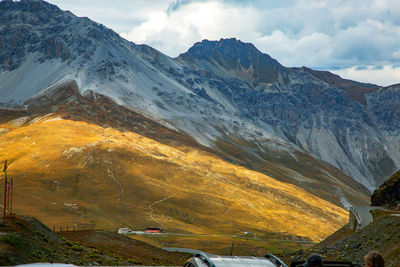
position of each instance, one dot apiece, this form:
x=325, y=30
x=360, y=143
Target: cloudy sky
x=358, y=39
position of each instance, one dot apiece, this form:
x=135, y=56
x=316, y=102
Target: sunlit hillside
x=71, y=172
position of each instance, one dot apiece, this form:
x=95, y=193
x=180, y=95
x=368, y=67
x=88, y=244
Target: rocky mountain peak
x=31, y=26
x=227, y=47
x=235, y=58
x=17, y=11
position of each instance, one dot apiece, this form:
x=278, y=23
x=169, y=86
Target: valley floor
x=225, y=245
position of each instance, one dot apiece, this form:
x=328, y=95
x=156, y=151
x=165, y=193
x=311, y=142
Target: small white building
x=124, y=231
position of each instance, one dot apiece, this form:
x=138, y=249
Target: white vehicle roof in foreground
x=234, y=261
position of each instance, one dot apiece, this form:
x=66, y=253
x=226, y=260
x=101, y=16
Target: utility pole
x=5, y=193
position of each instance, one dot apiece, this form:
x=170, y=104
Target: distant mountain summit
x=235, y=57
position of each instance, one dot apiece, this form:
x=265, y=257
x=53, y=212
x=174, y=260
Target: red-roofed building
x=153, y=230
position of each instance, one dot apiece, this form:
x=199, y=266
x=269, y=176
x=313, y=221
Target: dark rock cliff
x=388, y=194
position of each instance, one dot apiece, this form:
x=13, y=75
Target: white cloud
x=174, y=32
x=309, y=50
x=119, y=15
x=384, y=76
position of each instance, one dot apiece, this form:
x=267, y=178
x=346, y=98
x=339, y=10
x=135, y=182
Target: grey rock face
x=385, y=108
x=317, y=116
x=27, y=27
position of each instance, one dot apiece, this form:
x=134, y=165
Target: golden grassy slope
x=122, y=178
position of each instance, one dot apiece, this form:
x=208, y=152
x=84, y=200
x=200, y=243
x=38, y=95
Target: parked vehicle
x=210, y=260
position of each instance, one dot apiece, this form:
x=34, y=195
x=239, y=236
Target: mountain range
x=221, y=118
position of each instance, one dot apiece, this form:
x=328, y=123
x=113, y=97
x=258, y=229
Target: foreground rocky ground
x=26, y=240
x=134, y=251
x=382, y=235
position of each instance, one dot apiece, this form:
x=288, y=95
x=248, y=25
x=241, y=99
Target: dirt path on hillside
x=151, y=213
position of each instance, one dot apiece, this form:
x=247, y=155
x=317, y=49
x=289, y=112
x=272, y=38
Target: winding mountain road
x=364, y=215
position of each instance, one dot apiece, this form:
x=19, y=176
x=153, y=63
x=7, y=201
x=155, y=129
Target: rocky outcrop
x=28, y=27
x=356, y=91
x=234, y=57
x=352, y=246
x=388, y=194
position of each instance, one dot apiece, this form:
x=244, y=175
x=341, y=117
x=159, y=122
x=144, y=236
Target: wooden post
x=11, y=189
x=5, y=192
